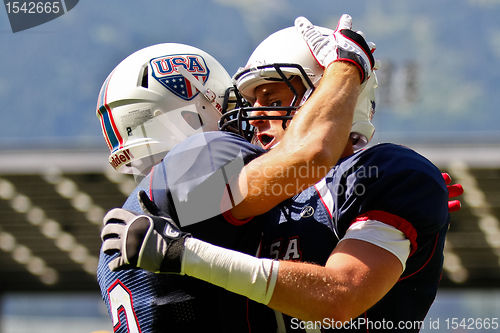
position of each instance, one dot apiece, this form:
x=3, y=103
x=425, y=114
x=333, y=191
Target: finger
x=446, y=177
x=455, y=190
x=361, y=33
x=345, y=22
x=117, y=264
x=112, y=230
x=454, y=205
x=311, y=34
x=302, y=24
x=372, y=46
x=148, y=206
x=111, y=246
x=119, y=215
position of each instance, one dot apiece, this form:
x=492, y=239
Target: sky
x=439, y=79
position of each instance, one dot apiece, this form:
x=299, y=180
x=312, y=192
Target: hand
x=454, y=190
x=149, y=207
x=153, y=243
x=343, y=45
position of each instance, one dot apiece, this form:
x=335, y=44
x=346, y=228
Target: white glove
x=343, y=45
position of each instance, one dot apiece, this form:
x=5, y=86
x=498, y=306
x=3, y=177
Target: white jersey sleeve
x=381, y=235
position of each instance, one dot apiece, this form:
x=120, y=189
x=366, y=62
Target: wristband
x=234, y=271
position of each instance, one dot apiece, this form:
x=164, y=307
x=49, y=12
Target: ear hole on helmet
x=193, y=119
x=144, y=80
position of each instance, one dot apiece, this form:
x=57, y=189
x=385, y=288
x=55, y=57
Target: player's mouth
x=266, y=140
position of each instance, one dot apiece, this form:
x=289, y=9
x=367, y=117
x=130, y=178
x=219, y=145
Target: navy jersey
x=388, y=183
x=140, y=301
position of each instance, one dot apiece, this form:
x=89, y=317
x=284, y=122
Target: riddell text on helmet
x=121, y=158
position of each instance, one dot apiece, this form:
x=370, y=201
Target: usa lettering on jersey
x=286, y=249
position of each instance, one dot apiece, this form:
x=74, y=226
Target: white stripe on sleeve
x=382, y=235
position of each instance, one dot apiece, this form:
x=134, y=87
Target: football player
x=363, y=244
x=154, y=99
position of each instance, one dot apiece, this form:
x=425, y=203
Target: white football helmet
x=281, y=56
x=157, y=97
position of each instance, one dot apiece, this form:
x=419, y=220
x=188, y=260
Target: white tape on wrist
x=234, y=271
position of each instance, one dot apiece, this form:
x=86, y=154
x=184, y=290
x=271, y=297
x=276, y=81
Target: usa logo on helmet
x=165, y=71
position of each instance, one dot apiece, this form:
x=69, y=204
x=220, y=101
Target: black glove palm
x=153, y=243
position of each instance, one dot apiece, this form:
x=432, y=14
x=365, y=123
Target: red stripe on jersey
x=228, y=216
x=325, y=205
x=247, y=315
x=323, y=191
x=151, y=173
x=393, y=220
x=426, y=262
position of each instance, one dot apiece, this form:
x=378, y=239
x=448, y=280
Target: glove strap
x=357, y=59
x=172, y=261
x=361, y=42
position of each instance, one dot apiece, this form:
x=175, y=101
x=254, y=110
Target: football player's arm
x=371, y=257
x=357, y=275
x=361, y=270
x=312, y=144
x=318, y=134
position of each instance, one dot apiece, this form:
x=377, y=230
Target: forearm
x=234, y=271
x=312, y=144
x=305, y=291
x=310, y=292
x=321, y=127
x=357, y=275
